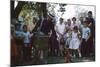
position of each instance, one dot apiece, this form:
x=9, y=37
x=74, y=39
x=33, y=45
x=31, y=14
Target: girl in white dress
x=75, y=42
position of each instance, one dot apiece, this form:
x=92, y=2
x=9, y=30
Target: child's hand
x=87, y=39
x=30, y=35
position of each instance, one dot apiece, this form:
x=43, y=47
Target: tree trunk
x=15, y=12
x=12, y=9
x=44, y=9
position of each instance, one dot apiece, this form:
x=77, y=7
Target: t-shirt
x=61, y=27
x=85, y=32
x=26, y=36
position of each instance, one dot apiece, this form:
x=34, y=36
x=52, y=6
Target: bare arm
x=80, y=36
x=89, y=35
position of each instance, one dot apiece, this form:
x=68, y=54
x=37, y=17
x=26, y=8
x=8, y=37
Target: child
x=67, y=36
x=18, y=32
x=75, y=42
x=27, y=43
x=85, y=37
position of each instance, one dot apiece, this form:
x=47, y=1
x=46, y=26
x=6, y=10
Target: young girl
x=67, y=36
x=75, y=42
x=27, y=43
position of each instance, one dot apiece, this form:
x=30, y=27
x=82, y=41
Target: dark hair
x=75, y=28
x=90, y=12
x=74, y=18
x=68, y=20
x=87, y=19
x=24, y=26
x=61, y=19
x=16, y=25
x=86, y=22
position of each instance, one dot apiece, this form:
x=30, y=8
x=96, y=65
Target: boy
x=85, y=37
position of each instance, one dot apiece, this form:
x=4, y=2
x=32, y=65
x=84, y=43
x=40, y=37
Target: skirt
x=74, y=44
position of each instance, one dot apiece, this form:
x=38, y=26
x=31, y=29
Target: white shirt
x=85, y=32
x=60, y=28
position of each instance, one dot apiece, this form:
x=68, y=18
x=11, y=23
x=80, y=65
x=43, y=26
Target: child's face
x=17, y=27
x=69, y=22
x=89, y=15
x=61, y=20
x=75, y=30
x=85, y=24
x=25, y=28
x=81, y=18
x=73, y=20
